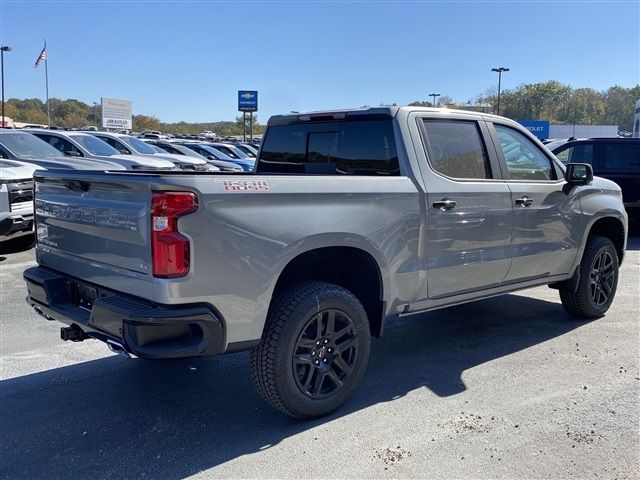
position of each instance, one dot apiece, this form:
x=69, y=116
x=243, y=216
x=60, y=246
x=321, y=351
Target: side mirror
x=124, y=152
x=211, y=157
x=72, y=153
x=579, y=174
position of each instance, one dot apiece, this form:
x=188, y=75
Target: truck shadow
x=633, y=241
x=16, y=245
x=120, y=418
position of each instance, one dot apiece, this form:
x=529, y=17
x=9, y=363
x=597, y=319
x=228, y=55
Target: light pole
x=434, y=95
x=3, y=48
x=95, y=113
x=499, y=70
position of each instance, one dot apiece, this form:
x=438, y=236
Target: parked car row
x=217, y=153
x=26, y=150
x=207, y=136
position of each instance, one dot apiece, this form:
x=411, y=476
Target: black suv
x=617, y=159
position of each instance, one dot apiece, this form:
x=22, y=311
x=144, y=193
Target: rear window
x=456, y=149
x=362, y=147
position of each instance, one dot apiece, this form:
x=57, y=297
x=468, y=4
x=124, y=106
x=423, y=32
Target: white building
x=583, y=131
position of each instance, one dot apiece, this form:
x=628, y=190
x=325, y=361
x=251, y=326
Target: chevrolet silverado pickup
x=348, y=218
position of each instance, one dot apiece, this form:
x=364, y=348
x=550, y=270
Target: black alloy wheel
x=602, y=278
x=325, y=353
x=597, y=280
x=314, y=349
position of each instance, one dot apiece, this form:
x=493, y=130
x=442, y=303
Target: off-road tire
x=289, y=318
x=580, y=303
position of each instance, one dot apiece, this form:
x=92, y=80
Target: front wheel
x=314, y=350
x=598, y=280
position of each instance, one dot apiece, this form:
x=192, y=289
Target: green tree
x=146, y=122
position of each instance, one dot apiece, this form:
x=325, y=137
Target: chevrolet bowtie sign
x=247, y=100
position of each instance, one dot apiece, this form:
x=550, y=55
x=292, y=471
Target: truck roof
x=369, y=112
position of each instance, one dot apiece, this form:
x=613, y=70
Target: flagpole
x=46, y=76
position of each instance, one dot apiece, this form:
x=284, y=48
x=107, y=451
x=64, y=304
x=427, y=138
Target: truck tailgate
x=94, y=219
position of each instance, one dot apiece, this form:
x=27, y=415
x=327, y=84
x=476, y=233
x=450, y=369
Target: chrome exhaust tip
x=117, y=347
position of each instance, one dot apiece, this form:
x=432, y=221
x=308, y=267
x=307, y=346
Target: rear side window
x=620, y=157
x=359, y=147
x=456, y=149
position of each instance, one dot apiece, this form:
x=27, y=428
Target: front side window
x=357, y=147
x=113, y=143
x=524, y=160
x=138, y=145
x=59, y=144
x=456, y=149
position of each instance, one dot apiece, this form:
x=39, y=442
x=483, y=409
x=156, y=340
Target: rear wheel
x=314, y=350
x=598, y=280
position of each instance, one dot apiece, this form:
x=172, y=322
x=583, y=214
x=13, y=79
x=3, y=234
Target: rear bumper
x=144, y=329
x=13, y=224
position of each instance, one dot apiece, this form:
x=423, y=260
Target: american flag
x=41, y=57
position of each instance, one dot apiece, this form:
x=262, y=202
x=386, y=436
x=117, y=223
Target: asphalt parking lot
x=509, y=387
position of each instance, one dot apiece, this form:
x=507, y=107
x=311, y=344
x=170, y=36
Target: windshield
x=25, y=145
x=94, y=145
x=138, y=145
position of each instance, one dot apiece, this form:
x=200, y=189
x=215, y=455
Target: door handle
x=445, y=204
x=524, y=201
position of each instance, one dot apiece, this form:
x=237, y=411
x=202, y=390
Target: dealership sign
x=248, y=100
x=116, y=113
x=540, y=128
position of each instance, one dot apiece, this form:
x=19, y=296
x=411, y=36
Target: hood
x=605, y=184
x=172, y=157
x=74, y=163
x=13, y=170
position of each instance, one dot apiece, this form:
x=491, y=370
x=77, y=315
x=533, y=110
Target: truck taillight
x=170, y=249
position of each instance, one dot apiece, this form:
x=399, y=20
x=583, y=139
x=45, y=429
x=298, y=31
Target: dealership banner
x=248, y=100
x=116, y=113
x=540, y=128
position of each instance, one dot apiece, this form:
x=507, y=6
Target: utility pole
x=434, y=95
x=244, y=126
x=95, y=114
x=3, y=48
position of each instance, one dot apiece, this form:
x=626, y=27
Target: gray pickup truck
x=349, y=218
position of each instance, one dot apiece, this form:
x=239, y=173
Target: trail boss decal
x=245, y=185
